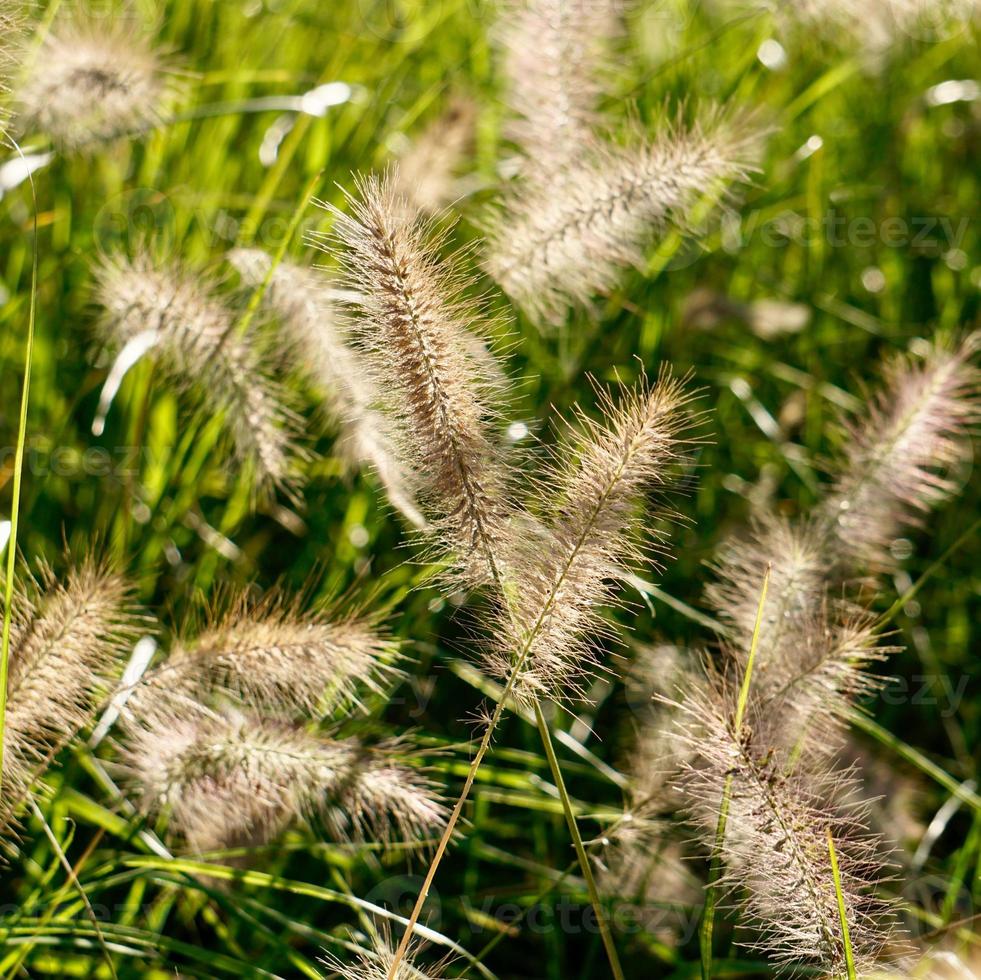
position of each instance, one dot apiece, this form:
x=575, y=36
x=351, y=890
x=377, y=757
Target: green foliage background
x=198, y=186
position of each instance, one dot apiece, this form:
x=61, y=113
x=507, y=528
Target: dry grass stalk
x=813, y=658
x=548, y=574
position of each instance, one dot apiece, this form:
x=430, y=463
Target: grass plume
x=68, y=640
x=192, y=333
x=428, y=172
x=554, y=54
x=271, y=655
x=92, y=80
x=377, y=963
x=564, y=574
x=228, y=777
x=902, y=456
x=418, y=336
x=774, y=848
x=560, y=244
x=318, y=344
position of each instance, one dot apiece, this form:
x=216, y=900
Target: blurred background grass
x=854, y=146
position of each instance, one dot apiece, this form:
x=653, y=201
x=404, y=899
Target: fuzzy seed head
x=554, y=56
x=92, y=82
x=270, y=655
x=428, y=170
x=798, y=559
x=198, y=347
x=67, y=642
x=11, y=30
x=878, y=25
x=228, y=779
x=775, y=852
x=563, y=570
x=376, y=964
x=557, y=245
x=318, y=344
x=903, y=457
x=418, y=336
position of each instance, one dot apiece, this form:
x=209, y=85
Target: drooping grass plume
x=11, y=27
x=276, y=658
x=901, y=460
x=229, y=778
x=418, y=334
x=318, y=345
x=197, y=347
x=552, y=572
x=642, y=864
x=813, y=688
x=554, y=55
x=775, y=852
x=428, y=174
x=816, y=642
x=560, y=244
x=814, y=649
x=69, y=637
x=878, y=25
x=653, y=756
x=563, y=575
x=93, y=80
x=642, y=860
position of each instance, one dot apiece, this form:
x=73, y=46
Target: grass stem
x=8, y=585
x=842, y=914
x=583, y=857
x=715, y=867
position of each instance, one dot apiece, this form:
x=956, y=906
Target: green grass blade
x=581, y=855
x=842, y=914
x=8, y=596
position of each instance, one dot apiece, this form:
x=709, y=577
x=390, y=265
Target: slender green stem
x=916, y=758
x=8, y=585
x=72, y=880
x=583, y=857
x=241, y=326
x=846, y=938
x=522, y=656
x=715, y=866
x=932, y=569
